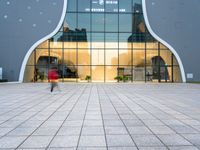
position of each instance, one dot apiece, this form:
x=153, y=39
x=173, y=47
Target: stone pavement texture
x=100, y=117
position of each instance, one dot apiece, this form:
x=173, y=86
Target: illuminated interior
x=105, y=40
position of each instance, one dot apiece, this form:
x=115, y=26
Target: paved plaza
x=100, y=116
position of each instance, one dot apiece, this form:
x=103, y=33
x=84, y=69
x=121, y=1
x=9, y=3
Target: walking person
x=53, y=78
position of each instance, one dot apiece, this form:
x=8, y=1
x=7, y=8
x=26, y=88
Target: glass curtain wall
x=105, y=40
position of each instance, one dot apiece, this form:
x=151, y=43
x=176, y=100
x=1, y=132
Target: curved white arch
x=162, y=41
x=21, y=75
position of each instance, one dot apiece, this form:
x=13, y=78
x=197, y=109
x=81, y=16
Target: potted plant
x=125, y=78
x=118, y=78
x=88, y=78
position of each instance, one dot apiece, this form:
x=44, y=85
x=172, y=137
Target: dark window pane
x=138, y=23
x=98, y=5
x=137, y=6
x=111, y=22
x=84, y=21
x=97, y=22
x=111, y=40
x=125, y=6
x=70, y=22
x=125, y=22
x=111, y=5
x=71, y=5
x=83, y=5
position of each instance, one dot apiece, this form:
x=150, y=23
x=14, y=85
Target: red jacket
x=52, y=75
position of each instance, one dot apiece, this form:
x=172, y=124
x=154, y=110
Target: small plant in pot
x=119, y=78
x=88, y=78
x=125, y=78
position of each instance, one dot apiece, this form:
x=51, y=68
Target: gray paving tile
x=37, y=142
x=183, y=148
x=153, y=148
x=119, y=140
x=92, y=141
x=11, y=142
x=71, y=130
x=64, y=142
x=46, y=131
x=116, y=130
x=139, y=130
x=193, y=138
x=174, y=140
x=161, y=130
x=147, y=141
x=122, y=148
x=21, y=132
x=92, y=130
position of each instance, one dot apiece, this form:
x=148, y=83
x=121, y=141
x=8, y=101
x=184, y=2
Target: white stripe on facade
x=162, y=41
x=28, y=54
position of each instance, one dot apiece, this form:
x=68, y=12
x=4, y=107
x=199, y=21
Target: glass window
x=71, y=5
x=166, y=55
x=150, y=56
x=111, y=22
x=152, y=45
x=97, y=57
x=111, y=73
x=139, y=58
x=137, y=6
x=97, y=22
x=44, y=44
x=124, y=40
x=111, y=40
x=56, y=56
x=31, y=60
x=138, y=24
x=98, y=6
x=85, y=42
x=125, y=71
x=175, y=62
x=98, y=40
x=70, y=57
x=30, y=74
x=98, y=73
x=125, y=57
x=70, y=21
x=125, y=22
x=84, y=57
x=56, y=40
x=111, y=57
x=125, y=6
x=111, y=5
x=83, y=71
x=83, y=5
x=42, y=57
x=84, y=21
x=176, y=74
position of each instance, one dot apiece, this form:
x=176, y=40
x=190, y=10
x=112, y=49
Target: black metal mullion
x=159, y=75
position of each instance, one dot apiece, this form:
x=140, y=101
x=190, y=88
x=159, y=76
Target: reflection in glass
x=111, y=57
x=83, y=5
x=125, y=22
x=97, y=73
x=111, y=73
x=97, y=22
x=103, y=44
x=84, y=21
x=111, y=22
x=97, y=57
x=125, y=6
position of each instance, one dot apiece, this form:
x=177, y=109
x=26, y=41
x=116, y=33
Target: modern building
x=132, y=40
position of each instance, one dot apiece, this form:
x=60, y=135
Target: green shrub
x=119, y=78
x=88, y=78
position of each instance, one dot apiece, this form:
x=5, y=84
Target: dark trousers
x=53, y=84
